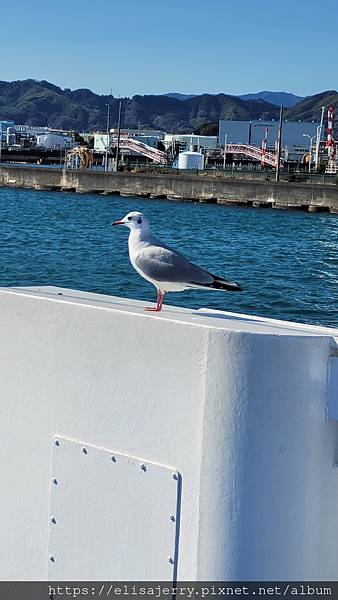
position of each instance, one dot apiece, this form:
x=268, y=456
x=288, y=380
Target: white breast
x=135, y=246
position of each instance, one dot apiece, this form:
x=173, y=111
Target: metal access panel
x=112, y=516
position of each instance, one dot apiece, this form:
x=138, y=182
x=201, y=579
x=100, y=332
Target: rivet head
x=57, y=443
x=170, y=560
x=113, y=459
x=84, y=450
x=172, y=518
x=143, y=468
x=52, y=558
x=54, y=481
x=175, y=476
x=53, y=520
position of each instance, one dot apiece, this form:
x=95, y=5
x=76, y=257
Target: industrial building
x=295, y=138
x=188, y=140
x=239, y=145
x=32, y=129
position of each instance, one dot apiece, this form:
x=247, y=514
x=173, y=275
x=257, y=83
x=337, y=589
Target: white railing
x=269, y=158
x=135, y=145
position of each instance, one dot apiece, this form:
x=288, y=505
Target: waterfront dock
x=180, y=187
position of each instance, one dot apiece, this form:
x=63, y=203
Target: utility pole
x=118, y=138
x=265, y=145
x=0, y=142
x=319, y=135
x=225, y=150
x=279, y=142
x=107, y=139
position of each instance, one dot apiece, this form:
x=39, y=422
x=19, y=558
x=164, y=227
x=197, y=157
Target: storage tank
x=53, y=140
x=190, y=160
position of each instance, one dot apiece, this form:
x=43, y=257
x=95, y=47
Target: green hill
x=310, y=108
x=42, y=103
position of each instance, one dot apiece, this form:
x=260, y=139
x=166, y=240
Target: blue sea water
x=287, y=262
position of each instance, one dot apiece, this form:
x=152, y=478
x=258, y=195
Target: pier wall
x=145, y=446
x=204, y=188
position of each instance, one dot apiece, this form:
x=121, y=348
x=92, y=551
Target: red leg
x=161, y=300
x=157, y=308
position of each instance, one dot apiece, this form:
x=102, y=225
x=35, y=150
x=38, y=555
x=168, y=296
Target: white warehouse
x=253, y=132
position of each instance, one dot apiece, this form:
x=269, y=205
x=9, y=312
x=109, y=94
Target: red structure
x=331, y=163
x=253, y=152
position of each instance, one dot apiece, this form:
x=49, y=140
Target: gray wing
x=161, y=263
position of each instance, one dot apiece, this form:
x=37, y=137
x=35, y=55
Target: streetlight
x=107, y=139
x=311, y=138
x=118, y=138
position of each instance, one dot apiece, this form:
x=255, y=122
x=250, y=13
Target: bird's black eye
x=130, y=218
x=139, y=220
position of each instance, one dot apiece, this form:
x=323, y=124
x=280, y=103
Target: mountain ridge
x=288, y=99
x=277, y=98
x=43, y=103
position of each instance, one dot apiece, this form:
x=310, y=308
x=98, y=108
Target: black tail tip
x=222, y=284
x=235, y=288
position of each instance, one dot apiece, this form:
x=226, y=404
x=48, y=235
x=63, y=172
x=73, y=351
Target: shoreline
x=312, y=197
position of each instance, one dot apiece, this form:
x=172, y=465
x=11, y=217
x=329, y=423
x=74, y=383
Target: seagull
x=165, y=268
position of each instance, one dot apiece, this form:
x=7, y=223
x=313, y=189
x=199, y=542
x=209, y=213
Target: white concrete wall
x=236, y=404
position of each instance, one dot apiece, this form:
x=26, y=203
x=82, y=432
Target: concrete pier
x=197, y=444
x=198, y=188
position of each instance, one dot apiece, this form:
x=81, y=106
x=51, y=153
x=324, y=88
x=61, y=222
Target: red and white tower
x=331, y=162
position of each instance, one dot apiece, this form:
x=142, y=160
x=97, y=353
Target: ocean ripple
x=285, y=261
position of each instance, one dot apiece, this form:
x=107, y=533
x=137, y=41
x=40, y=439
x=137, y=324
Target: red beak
x=118, y=223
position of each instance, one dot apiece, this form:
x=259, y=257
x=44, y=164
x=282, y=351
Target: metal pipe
x=225, y=150
x=279, y=142
x=107, y=139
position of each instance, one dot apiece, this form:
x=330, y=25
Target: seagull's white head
x=134, y=220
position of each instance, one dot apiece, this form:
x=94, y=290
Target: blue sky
x=150, y=46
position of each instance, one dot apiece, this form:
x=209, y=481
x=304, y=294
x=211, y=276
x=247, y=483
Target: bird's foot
x=152, y=308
